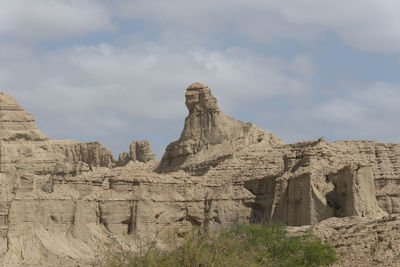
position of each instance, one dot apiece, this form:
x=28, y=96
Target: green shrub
x=241, y=245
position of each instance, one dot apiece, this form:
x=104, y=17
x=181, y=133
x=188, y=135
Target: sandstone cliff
x=66, y=203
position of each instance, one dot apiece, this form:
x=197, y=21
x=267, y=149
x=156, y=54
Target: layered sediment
x=209, y=135
x=67, y=203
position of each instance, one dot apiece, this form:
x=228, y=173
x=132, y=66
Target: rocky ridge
x=66, y=203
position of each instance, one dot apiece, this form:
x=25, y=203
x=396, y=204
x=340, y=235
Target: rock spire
x=209, y=133
x=138, y=151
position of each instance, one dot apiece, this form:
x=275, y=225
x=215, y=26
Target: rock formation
x=66, y=203
x=141, y=151
x=138, y=151
x=360, y=241
x=15, y=123
x=209, y=134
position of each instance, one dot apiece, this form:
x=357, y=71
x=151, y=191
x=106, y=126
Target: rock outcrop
x=66, y=203
x=15, y=123
x=138, y=151
x=360, y=241
x=209, y=134
x=141, y=151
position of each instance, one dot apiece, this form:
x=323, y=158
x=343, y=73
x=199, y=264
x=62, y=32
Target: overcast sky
x=116, y=71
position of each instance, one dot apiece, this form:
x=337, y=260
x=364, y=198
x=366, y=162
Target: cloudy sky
x=116, y=71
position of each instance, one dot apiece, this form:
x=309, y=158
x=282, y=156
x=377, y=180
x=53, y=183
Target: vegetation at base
x=241, y=245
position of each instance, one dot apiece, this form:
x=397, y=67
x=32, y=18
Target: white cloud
x=341, y=111
x=105, y=91
x=135, y=89
x=152, y=74
x=371, y=25
x=377, y=100
x=368, y=112
x=49, y=19
x=363, y=113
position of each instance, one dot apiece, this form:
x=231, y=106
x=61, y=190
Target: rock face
x=141, y=151
x=360, y=241
x=66, y=203
x=138, y=151
x=15, y=123
x=209, y=134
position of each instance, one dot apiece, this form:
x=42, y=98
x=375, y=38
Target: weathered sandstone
x=141, y=151
x=66, y=203
x=15, y=123
x=138, y=151
x=209, y=135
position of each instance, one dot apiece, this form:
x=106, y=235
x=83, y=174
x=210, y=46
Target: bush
x=241, y=245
